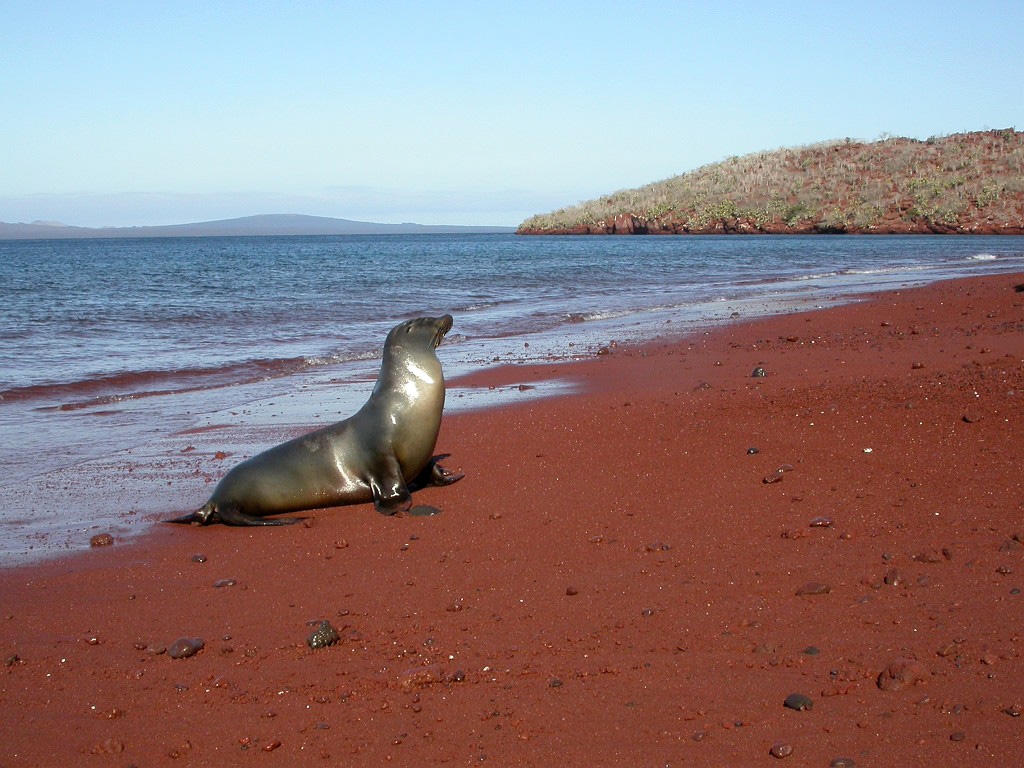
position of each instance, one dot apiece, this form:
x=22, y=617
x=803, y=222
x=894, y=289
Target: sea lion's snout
x=443, y=324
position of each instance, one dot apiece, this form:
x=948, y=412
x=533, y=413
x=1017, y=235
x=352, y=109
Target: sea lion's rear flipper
x=231, y=515
x=205, y=515
x=192, y=518
x=434, y=474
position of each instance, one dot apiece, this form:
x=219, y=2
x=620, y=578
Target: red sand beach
x=618, y=580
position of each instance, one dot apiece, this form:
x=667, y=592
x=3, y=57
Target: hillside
x=262, y=225
x=968, y=183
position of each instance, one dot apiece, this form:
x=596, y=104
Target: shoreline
x=615, y=574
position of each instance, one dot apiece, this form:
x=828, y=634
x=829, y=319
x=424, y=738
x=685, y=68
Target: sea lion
x=378, y=454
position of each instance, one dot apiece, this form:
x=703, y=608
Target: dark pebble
x=324, y=636
x=758, y=373
x=780, y=750
x=894, y=578
x=799, y=702
x=224, y=583
x=184, y=647
x=843, y=762
x=198, y=558
x=571, y=591
x=555, y=683
x=814, y=588
x=1013, y=710
x=821, y=522
x=101, y=540
x=811, y=650
x=752, y=451
x=957, y=736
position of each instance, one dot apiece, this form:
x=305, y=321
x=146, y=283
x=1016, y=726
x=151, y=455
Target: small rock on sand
x=184, y=647
x=901, y=673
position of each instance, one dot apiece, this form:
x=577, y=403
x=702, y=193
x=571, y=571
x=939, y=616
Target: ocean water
x=124, y=362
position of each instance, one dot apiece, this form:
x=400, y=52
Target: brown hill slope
x=964, y=183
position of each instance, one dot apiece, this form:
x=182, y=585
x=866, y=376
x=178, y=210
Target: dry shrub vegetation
x=967, y=182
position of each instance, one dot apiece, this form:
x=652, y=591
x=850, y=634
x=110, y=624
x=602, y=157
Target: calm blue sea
x=113, y=353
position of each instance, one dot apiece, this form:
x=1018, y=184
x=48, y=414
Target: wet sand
x=618, y=575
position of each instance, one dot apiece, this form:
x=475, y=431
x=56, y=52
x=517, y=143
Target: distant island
x=262, y=225
x=967, y=183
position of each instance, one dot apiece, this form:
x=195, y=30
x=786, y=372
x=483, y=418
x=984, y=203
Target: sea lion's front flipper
x=390, y=493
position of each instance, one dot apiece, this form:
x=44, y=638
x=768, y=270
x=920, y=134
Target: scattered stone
x=758, y=373
x=781, y=749
x=221, y=583
x=184, y=647
x=272, y=746
x=1019, y=287
x=109, y=747
x=1014, y=710
x=324, y=636
x=843, y=762
x=893, y=577
x=420, y=677
x=950, y=649
x=570, y=591
x=1004, y=569
x=901, y=673
x=934, y=556
x=197, y=558
x=774, y=477
x=1011, y=545
x=799, y=702
x=957, y=736
x=821, y=522
x=814, y=588
x=657, y=546
x=971, y=417
x=752, y=451
x=811, y=650
x=101, y=540
x=555, y=683
x=917, y=366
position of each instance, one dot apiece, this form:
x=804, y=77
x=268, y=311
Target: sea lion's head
x=420, y=332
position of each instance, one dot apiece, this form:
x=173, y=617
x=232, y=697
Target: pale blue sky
x=143, y=112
